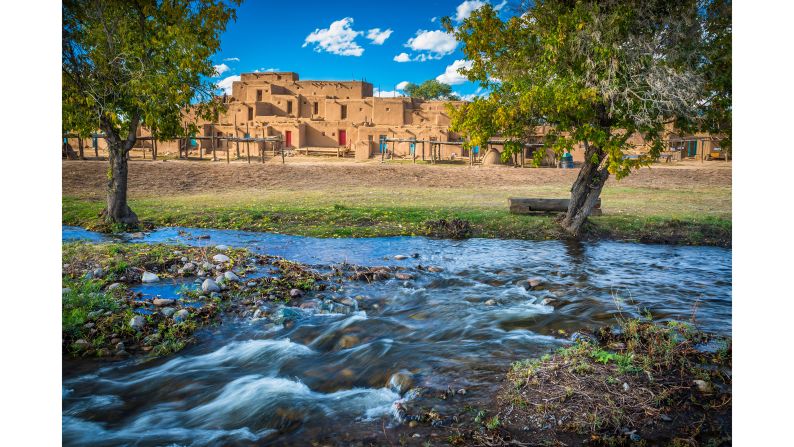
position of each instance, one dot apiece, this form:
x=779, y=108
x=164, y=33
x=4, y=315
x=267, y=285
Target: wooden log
x=529, y=206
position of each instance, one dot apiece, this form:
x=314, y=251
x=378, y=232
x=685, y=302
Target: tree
x=716, y=70
x=594, y=71
x=133, y=63
x=430, y=89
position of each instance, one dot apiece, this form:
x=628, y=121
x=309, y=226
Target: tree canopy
x=138, y=62
x=430, y=89
x=594, y=71
x=127, y=63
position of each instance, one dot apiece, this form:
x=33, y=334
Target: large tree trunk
x=585, y=190
x=117, y=210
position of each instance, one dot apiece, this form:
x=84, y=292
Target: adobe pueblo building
x=337, y=117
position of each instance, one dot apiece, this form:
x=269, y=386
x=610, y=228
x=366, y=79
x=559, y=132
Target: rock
x=491, y=302
x=81, y=344
x=401, y=381
x=703, y=386
x=206, y=265
x=152, y=339
x=581, y=337
x=462, y=391
x=230, y=276
x=403, y=276
x=347, y=301
x=160, y=302
x=200, y=273
x=183, y=259
x=220, y=258
x=103, y=352
x=250, y=283
x=435, y=269
x=295, y=293
x=209, y=286
x=114, y=340
x=189, y=267
x=400, y=257
x=113, y=286
x=89, y=275
x=534, y=282
x=215, y=295
x=120, y=346
x=286, y=314
x=626, y=387
x=257, y=314
x=221, y=247
x=137, y=235
x=122, y=353
x=148, y=277
x=347, y=341
x=65, y=290
x=181, y=316
x=546, y=301
x=617, y=346
x=309, y=305
x=98, y=272
x=137, y=322
x=88, y=325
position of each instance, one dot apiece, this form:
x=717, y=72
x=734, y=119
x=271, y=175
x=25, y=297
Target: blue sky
x=384, y=43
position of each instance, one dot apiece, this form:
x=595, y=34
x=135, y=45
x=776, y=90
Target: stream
x=328, y=376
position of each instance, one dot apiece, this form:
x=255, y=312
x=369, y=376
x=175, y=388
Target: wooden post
x=237, y=136
x=80, y=147
x=247, y=144
x=96, y=147
x=227, y=151
x=212, y=129
x=423, y=150
x=262, y=149
x=281, y=146
x=154, y=146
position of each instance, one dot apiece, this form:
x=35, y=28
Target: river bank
x=685, y=206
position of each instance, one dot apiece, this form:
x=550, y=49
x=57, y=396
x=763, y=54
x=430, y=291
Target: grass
x=635, y=378
x=701, y=217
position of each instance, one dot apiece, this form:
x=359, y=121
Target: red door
x=342, y=137
x=287, y=138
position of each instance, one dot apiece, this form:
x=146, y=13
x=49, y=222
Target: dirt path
x=88, y=178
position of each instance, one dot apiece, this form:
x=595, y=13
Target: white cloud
x=377, y=36
x=500, y=5
x=402, y=57
x=402, y=85
x=221, y=69
x=226, y=83
x=386, y=93
x=451, y=75
x=232, y=59
x=479, y=93
x=435, y=43
x=265, y=70
x=433, y=20
x=465, y=9
x=339, y=38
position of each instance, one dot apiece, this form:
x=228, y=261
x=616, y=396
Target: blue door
x=692, y=148
x=383, y=143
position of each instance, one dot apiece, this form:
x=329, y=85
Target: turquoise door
x=383, y=143
x=692, y=147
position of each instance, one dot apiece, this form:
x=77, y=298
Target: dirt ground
x=148, y=178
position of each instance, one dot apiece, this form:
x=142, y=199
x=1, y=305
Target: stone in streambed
x=149, y=277
x=491, y=302
x=401, y=381
x=400, y=257
x=81, y=344
x=403, y=276
x=189, y=267
x=160, y=302
x=220, y=258
x=230, y=276
x=295, y=293
x=221, y=247
x=435, y=269
x=137, y=322
x=209, y=286
x=181, y=316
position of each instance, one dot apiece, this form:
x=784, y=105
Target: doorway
x=287, y=138
x=342, y=137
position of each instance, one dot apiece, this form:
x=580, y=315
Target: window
x=316, y=107
x=387, y=109
x=259, y=95
x=289, y=107
x=250, y=113
x=360, y=109
x=344, y=112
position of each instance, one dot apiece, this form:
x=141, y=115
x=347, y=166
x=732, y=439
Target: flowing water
x=327, y=376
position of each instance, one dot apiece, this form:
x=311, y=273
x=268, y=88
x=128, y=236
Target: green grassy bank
x=632, y=214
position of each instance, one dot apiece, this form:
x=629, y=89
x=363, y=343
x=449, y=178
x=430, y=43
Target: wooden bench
x=533, y=206
x=337, y=151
